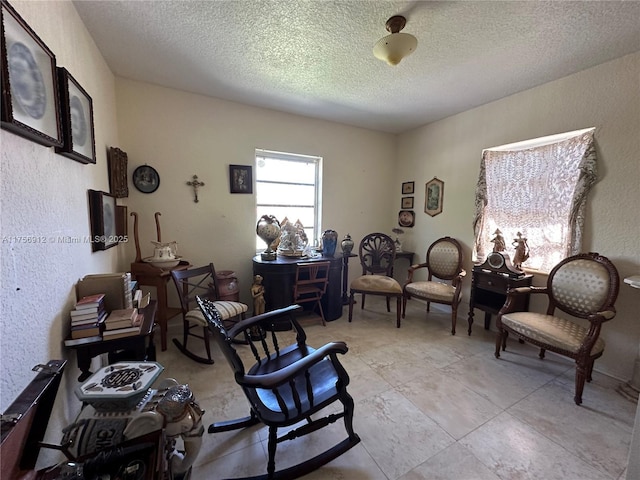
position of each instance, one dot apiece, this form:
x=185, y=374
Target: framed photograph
x=240, y=179
x=30, y=105
x=103, y=214
x=117, y=165
x=407, y=203
x=406, y=218
x=146, y=179
x=76, y=112
x=408, y=188
x=433, y=196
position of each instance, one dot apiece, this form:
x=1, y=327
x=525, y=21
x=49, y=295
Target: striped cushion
x=561, y=333
x=436, y=291
x=376, y=284
x=226, y=310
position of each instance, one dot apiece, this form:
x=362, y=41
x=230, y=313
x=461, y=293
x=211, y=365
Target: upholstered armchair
x=583, y=286
x=444, y=262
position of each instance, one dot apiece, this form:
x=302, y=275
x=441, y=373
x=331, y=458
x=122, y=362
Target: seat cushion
x=379, y=284
x=558, y=332
x=226, y=310
x=436, y=291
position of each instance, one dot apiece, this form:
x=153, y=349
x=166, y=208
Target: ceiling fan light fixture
x=393, y=48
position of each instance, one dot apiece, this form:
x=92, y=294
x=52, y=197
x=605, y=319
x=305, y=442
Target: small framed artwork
x=103, y=215
x=76, y=109
x=240, y=179
x=433, y=196
x=146, y=179
x=408, y=188
x=30, y=105
x=407, y=203
x=117, y=165
x=406, y=218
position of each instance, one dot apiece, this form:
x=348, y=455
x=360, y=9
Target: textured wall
x=604, y=97
x=44, y=195
x=182, y=134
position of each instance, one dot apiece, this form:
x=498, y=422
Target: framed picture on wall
x=117, y=164
x=406, y=218
x=103, y=214
x=407, y=203
x=77, y=120
x=433, y=196
x=408, y=188
x=30, y=105
x=146, y=179
x=240, y=179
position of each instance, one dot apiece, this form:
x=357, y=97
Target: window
x=539, y=188
x=288, y=185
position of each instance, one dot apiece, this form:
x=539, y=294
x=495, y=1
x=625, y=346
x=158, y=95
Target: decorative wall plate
x=146, y=179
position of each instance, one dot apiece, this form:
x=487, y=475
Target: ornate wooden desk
x=279, y=276
x=150, y=276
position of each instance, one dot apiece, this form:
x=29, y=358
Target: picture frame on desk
x=30, y=105
x=102, y=213
x=76, y=108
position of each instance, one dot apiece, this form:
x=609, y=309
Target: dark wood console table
x=141, y=347
x=279, y=276
x=489, y=292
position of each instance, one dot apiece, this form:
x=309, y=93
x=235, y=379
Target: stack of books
x=87, y=316
x=122, y=323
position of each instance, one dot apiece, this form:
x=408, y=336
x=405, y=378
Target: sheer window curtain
x=538, y=188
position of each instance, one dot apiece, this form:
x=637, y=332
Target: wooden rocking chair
x=286, y=385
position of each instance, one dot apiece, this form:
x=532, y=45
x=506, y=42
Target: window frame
x=317, y=197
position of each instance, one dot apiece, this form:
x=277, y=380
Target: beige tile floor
x=429, y=405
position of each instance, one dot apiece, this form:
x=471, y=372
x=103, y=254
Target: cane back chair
x=444, y=262
x=584, y=286
x=287, y=384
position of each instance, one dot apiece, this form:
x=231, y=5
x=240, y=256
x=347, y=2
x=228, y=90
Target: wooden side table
x=142, y=345
x=150, y=276
x=489, y=292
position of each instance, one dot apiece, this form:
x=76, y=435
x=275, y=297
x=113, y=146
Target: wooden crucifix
x=195, y=183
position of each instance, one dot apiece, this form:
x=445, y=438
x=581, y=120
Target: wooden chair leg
x=362, y=305
x=347, y=401
x=404, y=306
x=398, y=310
x=388, y=305
x=590, y=370
x=324, y=323
x=207, y=346
x=498, y=343
x=581, y=373
x=351, y=306
x=273, y=440
x=541, y=354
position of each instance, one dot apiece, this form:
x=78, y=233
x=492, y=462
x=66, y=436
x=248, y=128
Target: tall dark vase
x=329, y=243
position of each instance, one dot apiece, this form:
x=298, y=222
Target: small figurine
x=498, y=241
x=522, y=251
x=257, y=292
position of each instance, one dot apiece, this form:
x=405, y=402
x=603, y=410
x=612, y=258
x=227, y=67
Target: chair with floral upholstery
x=377, y=253
x=584, y=286
x=444, y=262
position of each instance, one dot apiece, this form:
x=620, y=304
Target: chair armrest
x=603, y=316
x=512, y=293
x=275, y=379
x=412, y=269
x=280, y=314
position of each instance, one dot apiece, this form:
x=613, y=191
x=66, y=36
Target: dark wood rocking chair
x=286, y=385
x=201, y=281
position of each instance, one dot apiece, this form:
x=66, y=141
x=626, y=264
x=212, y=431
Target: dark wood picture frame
x=240, y=179
x=408, y=188
x=406, y=203
x=103, y=214
x=146, y=179
x=76, y=109
x=117, y=165
x=433, y=197
x=30, y=106
x=406, y=218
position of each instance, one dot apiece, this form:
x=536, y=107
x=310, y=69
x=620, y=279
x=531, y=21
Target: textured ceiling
x=315, y=58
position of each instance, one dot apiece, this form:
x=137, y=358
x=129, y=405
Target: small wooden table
x=141, y=346
x=150, y=276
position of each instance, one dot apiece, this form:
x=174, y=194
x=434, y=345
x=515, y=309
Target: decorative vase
x=329, y=242
x=268, y=229
x=347, y=245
